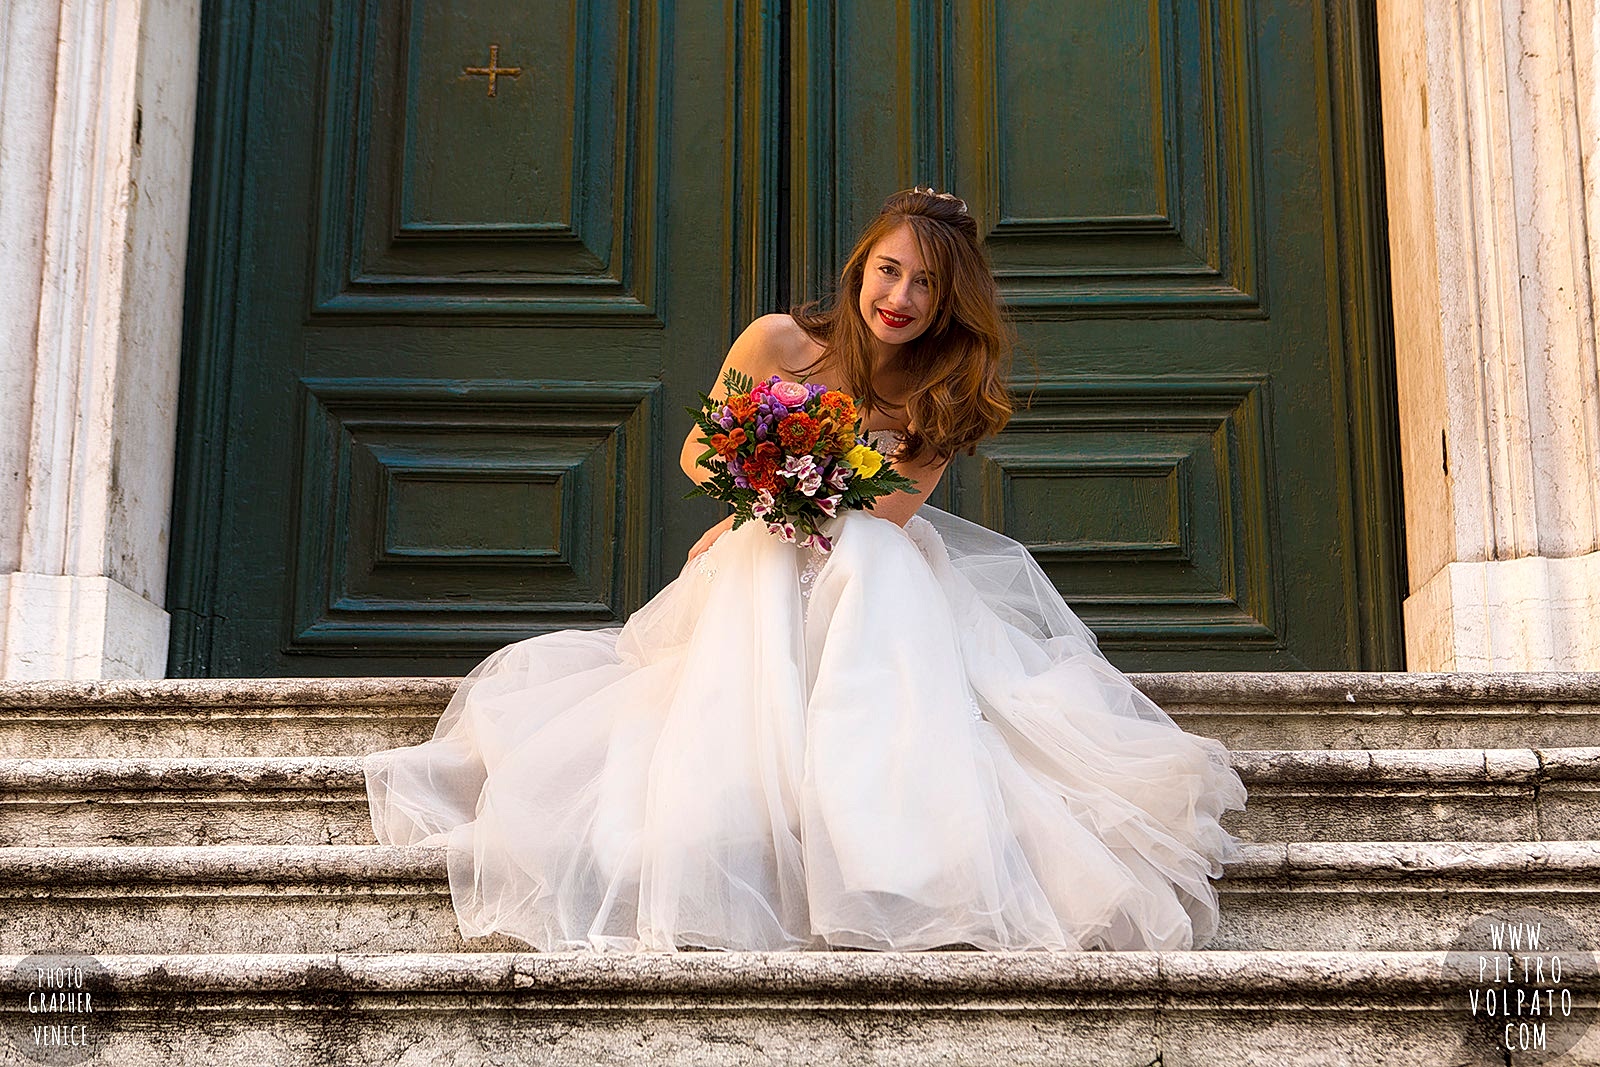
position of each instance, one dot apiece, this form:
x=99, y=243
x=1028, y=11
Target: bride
x=904, y=743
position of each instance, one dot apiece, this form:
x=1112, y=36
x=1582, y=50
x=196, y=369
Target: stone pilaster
x=1491, y=125
x=95, y=159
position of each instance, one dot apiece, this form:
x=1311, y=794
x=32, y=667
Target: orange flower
x=798, y=432
x=727, y=444
x=761, y=472
x=835, y=438
x=741, y=406
x=768, y=452
x=837, y=406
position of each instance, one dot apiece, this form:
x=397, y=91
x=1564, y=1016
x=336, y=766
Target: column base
x=82, y=628
x=1530, y=614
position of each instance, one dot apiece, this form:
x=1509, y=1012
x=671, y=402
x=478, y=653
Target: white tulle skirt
x=908, y=743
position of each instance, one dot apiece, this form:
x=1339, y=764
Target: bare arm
x=760, y=351
x=899, y=507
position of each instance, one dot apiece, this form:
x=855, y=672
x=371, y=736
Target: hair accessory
x=942, y=196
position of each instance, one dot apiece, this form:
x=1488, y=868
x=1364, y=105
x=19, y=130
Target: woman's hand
x=709, y=538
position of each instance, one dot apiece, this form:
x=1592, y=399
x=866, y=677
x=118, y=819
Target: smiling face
x=896, y=293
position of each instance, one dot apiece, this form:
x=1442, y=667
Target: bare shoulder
x=783, y=336
x=775, y=327
x=779, y=343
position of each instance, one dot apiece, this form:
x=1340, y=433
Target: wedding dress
x=909, y=742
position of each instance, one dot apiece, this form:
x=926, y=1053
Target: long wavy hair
x=959, y=363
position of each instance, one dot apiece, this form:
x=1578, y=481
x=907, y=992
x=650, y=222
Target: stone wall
x=95, y=160
x=1491, y=127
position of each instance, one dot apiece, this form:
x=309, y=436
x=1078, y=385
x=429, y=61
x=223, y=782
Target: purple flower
x=803, y=469
x=726, y=421
x=815, y=538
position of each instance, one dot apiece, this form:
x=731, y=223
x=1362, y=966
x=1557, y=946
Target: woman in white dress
x=905, y=743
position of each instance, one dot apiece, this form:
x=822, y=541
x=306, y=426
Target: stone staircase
x=207, y=842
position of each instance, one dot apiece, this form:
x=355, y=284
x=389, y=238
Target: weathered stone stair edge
x=1570, y=862
x=1263, y=766
x=966, y=973
x=1274, y=688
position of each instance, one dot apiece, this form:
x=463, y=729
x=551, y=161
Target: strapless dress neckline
x=881, y=439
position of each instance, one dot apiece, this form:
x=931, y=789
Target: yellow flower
x=866, y=461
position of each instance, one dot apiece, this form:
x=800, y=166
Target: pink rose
x=790, y=394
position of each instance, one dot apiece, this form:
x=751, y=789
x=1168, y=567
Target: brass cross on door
x=494, y=69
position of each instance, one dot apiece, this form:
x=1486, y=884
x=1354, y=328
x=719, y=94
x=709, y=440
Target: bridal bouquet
x=790, y=455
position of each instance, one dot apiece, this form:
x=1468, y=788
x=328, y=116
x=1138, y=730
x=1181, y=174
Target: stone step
x=1447, y=794
x=1279, y=710
x=219, y=716
x=1305, y=795
x=1198, y=1009
x=274, y=800
x=1322, y=896
x=1359, y=710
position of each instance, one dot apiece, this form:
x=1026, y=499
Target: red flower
x=761, y=473
x=761, y=470
x=798, y=432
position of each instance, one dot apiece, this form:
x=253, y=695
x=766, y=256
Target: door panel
x=440, y=198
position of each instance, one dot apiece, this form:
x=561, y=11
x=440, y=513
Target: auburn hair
x=958, y=364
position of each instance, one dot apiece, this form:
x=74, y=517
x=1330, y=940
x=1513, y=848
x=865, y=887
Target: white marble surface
x=94, y=178
x=27, y=65
x=82, y=627
x=1523, y=614
x=1490, y=121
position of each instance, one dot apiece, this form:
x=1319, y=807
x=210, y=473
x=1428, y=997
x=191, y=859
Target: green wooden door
x=459, y=266
x=437, y=319
x=1182, y=202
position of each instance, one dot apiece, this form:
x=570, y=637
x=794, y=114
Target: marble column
x=1491, y=127
x=95, y=157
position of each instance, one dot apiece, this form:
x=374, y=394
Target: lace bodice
x=885, y=441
